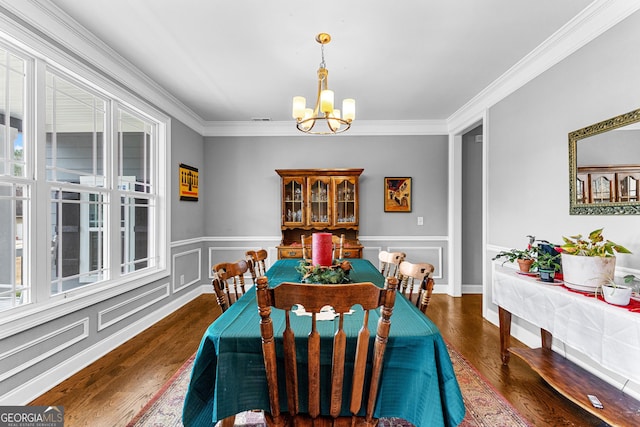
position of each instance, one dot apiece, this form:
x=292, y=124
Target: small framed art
x=397, y=194
x=188, y=183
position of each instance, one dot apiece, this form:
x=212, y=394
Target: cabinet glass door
x=293, y=201
x=346, y=206
x=319, y=197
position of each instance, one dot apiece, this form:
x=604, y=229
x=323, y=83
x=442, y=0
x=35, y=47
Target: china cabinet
x=319, y=201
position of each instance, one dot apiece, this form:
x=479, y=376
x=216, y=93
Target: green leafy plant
x=628, y=282
x=547, y=261
x=334, y=274
x=515, y=254
x=593, y=245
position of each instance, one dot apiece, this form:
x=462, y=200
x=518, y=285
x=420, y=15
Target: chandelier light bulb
x=299, y=105
x=326, y=101
x=349, y=109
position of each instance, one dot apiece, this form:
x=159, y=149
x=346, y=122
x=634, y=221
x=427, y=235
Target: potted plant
x=524, y=257
x=618, y=294
x=547, y=264
x=588, y=263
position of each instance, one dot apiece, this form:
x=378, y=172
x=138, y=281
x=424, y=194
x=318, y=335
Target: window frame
x=42, y=56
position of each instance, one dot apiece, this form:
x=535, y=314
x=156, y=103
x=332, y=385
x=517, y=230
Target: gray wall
x=242, y=191
x=187, y=218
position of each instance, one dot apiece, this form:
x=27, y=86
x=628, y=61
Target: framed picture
x=188, y=185
x=397, y=194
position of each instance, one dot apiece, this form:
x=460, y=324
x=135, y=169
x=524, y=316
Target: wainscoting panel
x=429, y=249
x=125, y=309
x=21, y=357
x=187, y=269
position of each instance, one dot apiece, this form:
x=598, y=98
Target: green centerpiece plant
x=333, y=274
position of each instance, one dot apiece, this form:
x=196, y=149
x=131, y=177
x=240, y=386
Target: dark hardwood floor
x=112, y=390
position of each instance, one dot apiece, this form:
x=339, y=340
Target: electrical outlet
x=182, y=279
x=420, y=220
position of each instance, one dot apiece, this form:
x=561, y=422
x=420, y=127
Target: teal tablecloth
x=418, y=383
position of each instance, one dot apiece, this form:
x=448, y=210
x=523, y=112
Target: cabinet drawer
x=288, y=252
x=351, y=253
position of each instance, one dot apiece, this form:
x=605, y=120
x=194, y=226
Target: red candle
x=321, y=249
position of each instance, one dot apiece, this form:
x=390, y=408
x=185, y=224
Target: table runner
x=417, y=384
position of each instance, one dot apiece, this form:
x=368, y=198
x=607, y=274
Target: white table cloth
x=607, y=334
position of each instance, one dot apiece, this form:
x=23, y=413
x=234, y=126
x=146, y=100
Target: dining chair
x=232, y=276
x=337, y=243
x=313, y=298
x=256, y=261
x=389, y=262
x=424, y=294
x=421, y=274
x=219, y=290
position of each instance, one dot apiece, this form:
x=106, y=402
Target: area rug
x=485, y=407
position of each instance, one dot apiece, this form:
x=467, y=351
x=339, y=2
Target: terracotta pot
x=525, y=264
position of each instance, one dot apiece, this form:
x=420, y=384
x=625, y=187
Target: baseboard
x=472, y=289
x=37, y=386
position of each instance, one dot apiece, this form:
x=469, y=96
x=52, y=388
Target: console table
x=608, y=335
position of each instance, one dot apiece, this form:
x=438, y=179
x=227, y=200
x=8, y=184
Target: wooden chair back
x=389, y=262
x=337, y=246
x=313, y=298
x=219, y=288
x=256, y=261
x=411, y=274
x=424, y=296
x=306, y=246
x=232, y=275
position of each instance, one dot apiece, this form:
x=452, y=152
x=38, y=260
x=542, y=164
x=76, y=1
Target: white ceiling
x=244, y=59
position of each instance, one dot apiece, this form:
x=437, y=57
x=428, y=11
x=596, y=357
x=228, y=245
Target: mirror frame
x=609, y=208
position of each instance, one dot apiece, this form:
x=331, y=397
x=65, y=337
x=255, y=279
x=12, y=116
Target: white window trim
x=44, y=307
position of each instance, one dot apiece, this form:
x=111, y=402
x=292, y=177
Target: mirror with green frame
x=604, y=167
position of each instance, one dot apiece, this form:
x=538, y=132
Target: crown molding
x=590, y=23
x=358, y=128
x=74, y=42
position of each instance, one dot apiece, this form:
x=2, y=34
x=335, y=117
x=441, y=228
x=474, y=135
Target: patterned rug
x=485, y=407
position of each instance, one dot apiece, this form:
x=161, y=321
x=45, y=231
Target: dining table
x=418, y=383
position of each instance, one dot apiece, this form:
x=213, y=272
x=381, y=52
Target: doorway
x=472, y=212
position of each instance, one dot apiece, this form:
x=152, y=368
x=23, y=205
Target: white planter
x=620, y=295
x=587, y=273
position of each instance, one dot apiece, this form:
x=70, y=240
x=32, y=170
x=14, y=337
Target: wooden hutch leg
x=505, y=334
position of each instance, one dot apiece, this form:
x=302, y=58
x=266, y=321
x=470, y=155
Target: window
x=87, y=174
x=14, y=188
x=75, y=159
x=136, y=142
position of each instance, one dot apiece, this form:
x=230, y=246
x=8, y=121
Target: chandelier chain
x=322, y=64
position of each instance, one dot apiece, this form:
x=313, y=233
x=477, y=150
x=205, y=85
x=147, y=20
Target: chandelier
x=328, y=118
